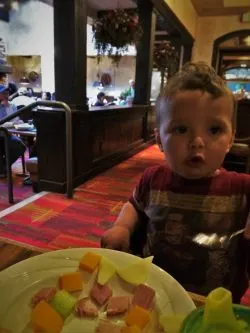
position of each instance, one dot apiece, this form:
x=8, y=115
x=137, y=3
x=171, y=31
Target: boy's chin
x=197, y=174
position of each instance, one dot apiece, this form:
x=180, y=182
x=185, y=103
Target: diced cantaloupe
x=45, y=318
x=131, y=329
x=136, y=273
x=71, y=281
x=138, y=316
x=106, y=271
x=89, y=262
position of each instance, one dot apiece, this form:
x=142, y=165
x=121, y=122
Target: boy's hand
x=116, y=238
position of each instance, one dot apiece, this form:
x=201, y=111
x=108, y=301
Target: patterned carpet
x=20, y=191
x=54, y=222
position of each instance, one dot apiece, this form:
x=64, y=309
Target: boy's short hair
x=196, y=76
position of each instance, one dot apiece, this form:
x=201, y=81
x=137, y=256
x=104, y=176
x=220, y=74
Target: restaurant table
x=11, y=254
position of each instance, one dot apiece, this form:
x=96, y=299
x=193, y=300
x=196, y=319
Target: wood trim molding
x=166, y=12
x=221, y=39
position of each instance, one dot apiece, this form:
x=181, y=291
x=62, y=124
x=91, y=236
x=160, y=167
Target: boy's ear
x=157, y=138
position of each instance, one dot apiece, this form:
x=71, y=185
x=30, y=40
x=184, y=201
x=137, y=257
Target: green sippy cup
x=218, y=316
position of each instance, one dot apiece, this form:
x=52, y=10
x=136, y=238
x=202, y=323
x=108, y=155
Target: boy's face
x=195, y=133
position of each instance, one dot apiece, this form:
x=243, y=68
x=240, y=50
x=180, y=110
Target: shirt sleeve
x=140, y=196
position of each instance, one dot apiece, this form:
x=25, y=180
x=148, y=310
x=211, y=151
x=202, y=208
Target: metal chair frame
x=68, y=127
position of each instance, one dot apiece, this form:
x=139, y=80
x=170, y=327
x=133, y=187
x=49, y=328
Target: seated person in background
x=23, y=98
x=12, y=90
x=100, y=99
x=46, y=96
x=189, y=213
x=122, y=100
x=17, y=147
x=30, y=92
x=129, y=94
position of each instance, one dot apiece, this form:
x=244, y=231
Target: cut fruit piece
x=63, y=303
x=136, y=273
x=89, y=262
x=106, y=271
x=117, y=305
x=131, y=329
x=138, y=316
x=171, y=324
x=45, y=294
x=101, y=293
x=45, y=318
x=71, y=281
x=86, y=308
x=144, y=297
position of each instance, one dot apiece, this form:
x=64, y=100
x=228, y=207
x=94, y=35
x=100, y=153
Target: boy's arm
x=127, y=218
x=118, y=237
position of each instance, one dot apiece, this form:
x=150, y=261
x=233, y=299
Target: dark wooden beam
x=144, y=58
x=70, y=19
x=172, y=20
x=172, y=38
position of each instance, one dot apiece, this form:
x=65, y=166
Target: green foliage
x=165, y=57
x=114, y=31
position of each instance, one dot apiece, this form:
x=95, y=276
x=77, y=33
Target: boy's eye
x=215, y=129
x=180, y=129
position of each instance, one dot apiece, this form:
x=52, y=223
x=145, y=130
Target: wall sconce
x=24, y=80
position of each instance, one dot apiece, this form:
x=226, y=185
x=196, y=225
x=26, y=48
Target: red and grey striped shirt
x=195, y=227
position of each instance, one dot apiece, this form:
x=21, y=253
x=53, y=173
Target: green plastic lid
x=219, y=315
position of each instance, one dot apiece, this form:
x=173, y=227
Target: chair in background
x=241, y=149
x=238, y=158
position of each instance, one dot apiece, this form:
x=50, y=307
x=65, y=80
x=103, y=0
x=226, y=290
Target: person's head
x=4, y=93
x=101, y=96
x=12, y=88
x=132, y=83
x=46, y=95
x=196, y=121
x=3, y=78
x=30, y=92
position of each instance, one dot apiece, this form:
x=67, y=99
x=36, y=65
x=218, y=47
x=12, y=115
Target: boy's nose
x=197, y=142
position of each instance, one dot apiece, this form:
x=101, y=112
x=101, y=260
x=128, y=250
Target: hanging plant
x=165, y=57
x=165, y=60
x=114, y=31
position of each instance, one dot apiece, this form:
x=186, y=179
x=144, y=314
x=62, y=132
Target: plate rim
x=20, y=268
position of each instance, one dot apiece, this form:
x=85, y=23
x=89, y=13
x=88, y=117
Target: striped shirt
x=194, y=228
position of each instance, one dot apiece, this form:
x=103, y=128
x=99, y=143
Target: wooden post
x=187, y=53
x=70, y=19
x=144, y=58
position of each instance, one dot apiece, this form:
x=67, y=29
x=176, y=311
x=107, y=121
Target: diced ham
x=117, y=305
x=144, y=297
x=101, y=293
x=106, y=326
x=85, y=307
x=45, y=294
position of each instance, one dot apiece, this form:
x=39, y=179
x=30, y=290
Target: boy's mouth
x=195, y=160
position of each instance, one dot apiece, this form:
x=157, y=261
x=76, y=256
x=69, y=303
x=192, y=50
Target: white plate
x=20, y=282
